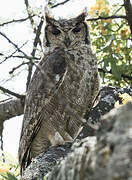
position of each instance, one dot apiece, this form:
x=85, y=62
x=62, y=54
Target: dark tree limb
x=11, y=55
x=35, y=43
x=128, y=9
x=37, y=37
x=58, y=4
x=5, y=100
x=17, y=67
x=37, y=59
x=11, y=92
x=29, y=14
x=18, y=49
x=108, y=17
x=16, y=20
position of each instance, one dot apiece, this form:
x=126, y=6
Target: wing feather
x=47, y=79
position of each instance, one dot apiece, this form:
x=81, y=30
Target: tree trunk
x=10, y=109
x=128, y=9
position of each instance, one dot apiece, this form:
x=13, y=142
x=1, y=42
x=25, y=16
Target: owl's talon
x=57, y=139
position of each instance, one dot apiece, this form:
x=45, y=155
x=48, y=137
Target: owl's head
x=66, y=33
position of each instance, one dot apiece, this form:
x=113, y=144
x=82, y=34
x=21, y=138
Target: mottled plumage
x=65, y=83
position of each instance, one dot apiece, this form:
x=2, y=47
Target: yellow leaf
x=99, y=7
x=100, y=2
x=108, y=20
x=103, y=31
x=93, y=10
x=112, y=44
x=118, y=48
x=127, y=31
x=125, y=98
x=4, y=170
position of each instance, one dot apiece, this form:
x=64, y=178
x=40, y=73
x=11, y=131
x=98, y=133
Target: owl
x=62, y=89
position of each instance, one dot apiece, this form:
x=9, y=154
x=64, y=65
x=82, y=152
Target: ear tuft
x=49, y=18
x=82, y=16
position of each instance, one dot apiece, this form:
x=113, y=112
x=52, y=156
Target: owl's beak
x=67, y=42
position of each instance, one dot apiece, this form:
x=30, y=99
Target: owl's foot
x=57, y=139
x=67, y=137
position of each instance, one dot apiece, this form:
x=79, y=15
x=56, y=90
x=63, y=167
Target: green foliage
x=8, y=167
x=111, y=39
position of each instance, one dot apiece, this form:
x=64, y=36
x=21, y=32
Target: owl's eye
x=76, y=29
x=56, y=31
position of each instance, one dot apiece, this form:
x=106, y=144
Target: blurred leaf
x=111, y=40
x=8, y=176
x=114, y=69
x=9, y=168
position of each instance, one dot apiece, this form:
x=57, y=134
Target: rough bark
x=10, y=109
x=96, y=154
x=110, y=158
x=45, y=162
x=108, y=97
x=128, y=9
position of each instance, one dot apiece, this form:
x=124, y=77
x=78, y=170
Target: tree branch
x=21, y=57
x=18, y=49
x=29, y=14
x=16, y=20
x=37, y=39
x=58, y=4
x=11, y=92
x=12, y=54
x=35, y=43
x=9, y=109
x=128, y=9
x=105, y=18
x=17, y=67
